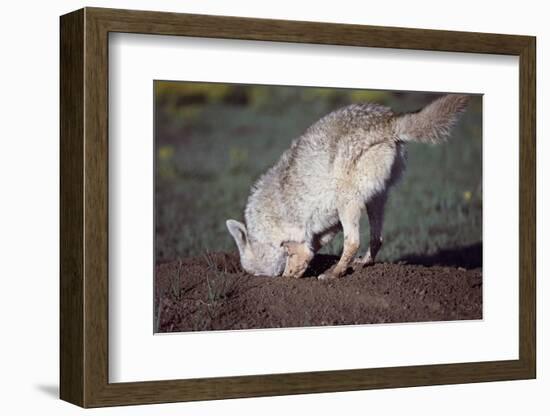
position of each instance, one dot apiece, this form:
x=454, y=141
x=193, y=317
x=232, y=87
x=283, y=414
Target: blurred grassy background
x=214, y=140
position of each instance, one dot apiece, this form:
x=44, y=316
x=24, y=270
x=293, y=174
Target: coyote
x=343, y=164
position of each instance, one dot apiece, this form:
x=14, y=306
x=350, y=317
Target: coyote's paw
x=331, y=274
x=368, y=258
x=295, y=267
x=293, y=273
x=360, y=262
x=299, y=256
x=327, y=276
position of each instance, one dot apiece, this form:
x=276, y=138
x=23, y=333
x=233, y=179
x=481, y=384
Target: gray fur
x=343, y=164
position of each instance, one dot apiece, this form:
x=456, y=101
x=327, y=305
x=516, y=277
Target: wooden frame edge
x=84, y=207
x=72, y=368
x=527, y=207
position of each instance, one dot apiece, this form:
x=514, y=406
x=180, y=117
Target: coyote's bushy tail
x=434, y=122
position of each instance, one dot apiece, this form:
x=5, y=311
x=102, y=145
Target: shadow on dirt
x=467, y=257
x=320, y=264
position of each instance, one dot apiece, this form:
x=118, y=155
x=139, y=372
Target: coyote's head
x=257, y=258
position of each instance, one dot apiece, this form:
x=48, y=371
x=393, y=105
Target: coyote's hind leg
x=375, y=212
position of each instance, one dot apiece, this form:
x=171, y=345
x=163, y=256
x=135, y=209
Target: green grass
x=209, y=154
x=219, y=286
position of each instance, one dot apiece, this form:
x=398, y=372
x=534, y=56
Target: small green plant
x=219, y=286
x=175, y=282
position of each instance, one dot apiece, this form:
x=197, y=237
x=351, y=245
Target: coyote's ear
x=238, y=231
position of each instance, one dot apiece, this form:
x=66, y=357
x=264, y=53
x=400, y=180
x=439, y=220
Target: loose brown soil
x=212, y=293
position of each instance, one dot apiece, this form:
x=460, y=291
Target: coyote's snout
x=343, y=164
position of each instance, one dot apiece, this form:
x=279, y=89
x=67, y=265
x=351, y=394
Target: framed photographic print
x=255, y=207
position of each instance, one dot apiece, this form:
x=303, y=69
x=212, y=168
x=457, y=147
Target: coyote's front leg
x=299, y=257
x=349, y=218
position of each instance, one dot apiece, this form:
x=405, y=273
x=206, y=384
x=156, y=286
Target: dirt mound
x=213, y=293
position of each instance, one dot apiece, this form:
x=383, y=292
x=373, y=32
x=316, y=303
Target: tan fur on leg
x=349, y=218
